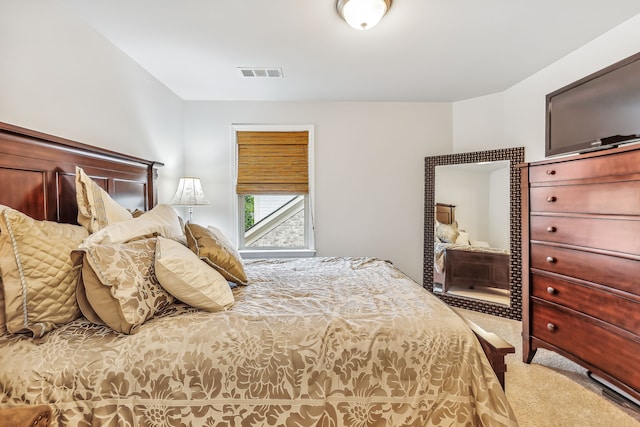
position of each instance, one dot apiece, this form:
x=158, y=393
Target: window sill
x=276, y=253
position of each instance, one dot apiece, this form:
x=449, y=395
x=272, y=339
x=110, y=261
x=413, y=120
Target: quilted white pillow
x=189, y=279
x=96, y=209
x=38, y=278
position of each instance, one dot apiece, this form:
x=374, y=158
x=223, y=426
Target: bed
x=462, y=263
x=304, y=342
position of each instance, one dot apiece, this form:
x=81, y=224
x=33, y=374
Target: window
x=273, y=187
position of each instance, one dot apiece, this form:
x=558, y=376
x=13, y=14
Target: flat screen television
x=598, y=111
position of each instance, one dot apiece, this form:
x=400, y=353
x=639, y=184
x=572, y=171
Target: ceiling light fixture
x=363, y=14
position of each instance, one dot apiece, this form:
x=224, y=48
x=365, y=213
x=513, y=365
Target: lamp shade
x=363, y=14
x=189, y=193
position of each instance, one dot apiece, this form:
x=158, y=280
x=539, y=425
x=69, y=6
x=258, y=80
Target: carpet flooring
x=552, y=390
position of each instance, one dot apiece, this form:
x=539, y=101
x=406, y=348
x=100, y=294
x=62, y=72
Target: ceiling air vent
x=260, y=72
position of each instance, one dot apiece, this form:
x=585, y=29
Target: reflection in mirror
x=472, y=253
x=472, y=206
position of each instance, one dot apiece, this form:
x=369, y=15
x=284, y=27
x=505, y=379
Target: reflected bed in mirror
x=472, y=230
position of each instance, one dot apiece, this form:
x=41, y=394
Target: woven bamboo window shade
x=273, y=162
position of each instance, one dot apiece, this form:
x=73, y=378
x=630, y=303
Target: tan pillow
x=212, y=246
x=119, y=285
x=38, y=278
x=3, y=320
x=96, y=209
x=463, y=238
x=160, y=221
x=189, y=279
x=447, y=233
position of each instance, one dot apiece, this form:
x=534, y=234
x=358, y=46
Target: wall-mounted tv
x=598, y=111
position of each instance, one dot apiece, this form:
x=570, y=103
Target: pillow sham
x=96, y=209
x=213, y=247
x=3, y=321
x=162, y=220
x=463, y=238
x=189, y=279
x=38, y=277
x=447, y=233
x=119, y=286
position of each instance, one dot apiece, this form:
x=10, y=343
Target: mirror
x=476, y=261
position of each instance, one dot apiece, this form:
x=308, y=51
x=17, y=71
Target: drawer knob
x=551, y=290
x=551, y=259
x=551, y=199
x=551, y=229
x=551, y=326
x=551, y=172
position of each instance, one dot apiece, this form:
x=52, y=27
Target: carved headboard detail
x=37, y=174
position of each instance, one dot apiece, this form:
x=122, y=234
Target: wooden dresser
x=581, y=262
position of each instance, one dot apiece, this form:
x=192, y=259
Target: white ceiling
x=423, y=50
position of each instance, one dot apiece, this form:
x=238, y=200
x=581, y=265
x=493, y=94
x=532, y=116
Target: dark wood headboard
x=37, y=174
x=445, y=214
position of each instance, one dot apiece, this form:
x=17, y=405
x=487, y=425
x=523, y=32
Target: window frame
x=238, y=199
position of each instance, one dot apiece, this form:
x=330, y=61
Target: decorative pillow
x=480, y=244
x=96, y=209
x=159, y=221
x=81, y=293
x=189, y=279
x=119, y=284
x=447, y=233
x=463, y=238
x=3, y=320
x=38, y=277
x=212, y=246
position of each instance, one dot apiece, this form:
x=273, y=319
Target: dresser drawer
x=617, y=354
x=614, y=272
x=617, y=235
x=597, y=303
x=620, y=198
x=581, y=168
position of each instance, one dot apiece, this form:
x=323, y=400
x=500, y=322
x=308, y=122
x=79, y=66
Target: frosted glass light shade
x=363, y=14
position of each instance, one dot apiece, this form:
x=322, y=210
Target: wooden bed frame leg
x=495, y=348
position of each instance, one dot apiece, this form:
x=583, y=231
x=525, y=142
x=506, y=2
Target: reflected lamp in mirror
x=189, y=193
x=362, y=14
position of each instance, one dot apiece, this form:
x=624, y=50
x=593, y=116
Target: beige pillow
x=463, y=238
x=212, y=246
x=96, y=209
x=159, y=221
x=119, y=285
x=189, y=279
x=38, y=278
x=447, y=233
x=3, y=321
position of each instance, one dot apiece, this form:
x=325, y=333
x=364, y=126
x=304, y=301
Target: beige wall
x=59, y=76
x=369, y=169
x=515, y=117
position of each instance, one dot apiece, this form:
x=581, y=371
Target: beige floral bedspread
x=310, y=342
